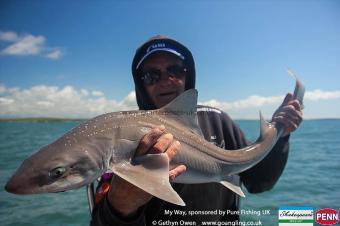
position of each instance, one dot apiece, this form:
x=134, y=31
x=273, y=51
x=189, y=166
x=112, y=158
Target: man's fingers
x=290, y=125
x=288, y=98
x=295, y=104
x=157, y=141
x=173, y=149
x=125, y=197
x=175, y=172
x=162, y=143
x=288, y=117
x=149, y=140
x=291, y=112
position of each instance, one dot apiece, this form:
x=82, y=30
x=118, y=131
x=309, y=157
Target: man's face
x=169, y=84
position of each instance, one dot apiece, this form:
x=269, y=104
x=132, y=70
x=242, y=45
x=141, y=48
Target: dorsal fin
x=184, y=107
x=184, y=103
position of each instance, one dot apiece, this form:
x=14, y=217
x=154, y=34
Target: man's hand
x=289, y=114
x=126, y=198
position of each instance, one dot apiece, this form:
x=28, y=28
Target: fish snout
x=12, y=187
x=15, y=187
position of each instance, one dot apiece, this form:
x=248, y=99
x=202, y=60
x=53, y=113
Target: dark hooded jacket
x=218, y=128
x=143, y=100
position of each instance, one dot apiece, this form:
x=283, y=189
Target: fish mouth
x=58, y=191
x=21, y=190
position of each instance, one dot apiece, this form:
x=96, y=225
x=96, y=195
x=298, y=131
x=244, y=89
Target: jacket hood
x=156, y=44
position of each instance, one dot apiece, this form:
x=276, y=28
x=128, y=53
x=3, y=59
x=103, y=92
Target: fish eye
x=57, y=172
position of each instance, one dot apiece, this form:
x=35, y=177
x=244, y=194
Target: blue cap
x=157, y=47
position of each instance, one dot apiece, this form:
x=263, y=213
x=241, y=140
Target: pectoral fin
x=151, y=174
x=231, y=182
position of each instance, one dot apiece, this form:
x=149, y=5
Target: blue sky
x=72, y=58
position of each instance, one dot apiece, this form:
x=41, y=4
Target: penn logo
x=327, y=216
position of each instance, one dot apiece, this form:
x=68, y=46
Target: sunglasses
x=152, y=76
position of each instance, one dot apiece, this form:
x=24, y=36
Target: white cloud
x=259, y=101
x=5, y=101
x=250, y=102
x=64, y=102
x=45, y=104
x=129, y=100
x=8, y=36
x=84, y=92
x=97, y=93
x=2, y=88
x=28, y=45
x=55, y=54
x=322, y=95
x=68, y=102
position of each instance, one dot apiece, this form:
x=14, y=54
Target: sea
x=311, y=177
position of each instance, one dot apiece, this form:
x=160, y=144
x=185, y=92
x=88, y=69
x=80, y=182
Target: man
x=162, y=69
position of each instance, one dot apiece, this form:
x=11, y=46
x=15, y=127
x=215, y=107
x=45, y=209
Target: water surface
x=311, y=177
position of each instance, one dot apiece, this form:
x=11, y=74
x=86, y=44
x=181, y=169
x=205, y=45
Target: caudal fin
x=299, y=90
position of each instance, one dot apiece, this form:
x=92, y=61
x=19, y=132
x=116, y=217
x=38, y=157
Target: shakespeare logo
x=296, y=215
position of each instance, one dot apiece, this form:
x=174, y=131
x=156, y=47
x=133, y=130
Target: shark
x=109, y=141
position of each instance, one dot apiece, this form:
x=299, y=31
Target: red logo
x=327, y=216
